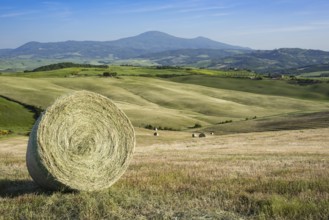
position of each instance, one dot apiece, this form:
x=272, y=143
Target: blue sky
x=259, y=24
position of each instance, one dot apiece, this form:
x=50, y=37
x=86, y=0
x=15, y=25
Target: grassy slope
x=26, y=63
x=180, y=102
x=159, y=102
x=316, y=75
x=292, y=121
x=128, y=71
x=266, y=87
x=14, y=116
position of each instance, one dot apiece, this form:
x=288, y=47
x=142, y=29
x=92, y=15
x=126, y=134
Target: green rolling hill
x=178, y=102
x=14, y=117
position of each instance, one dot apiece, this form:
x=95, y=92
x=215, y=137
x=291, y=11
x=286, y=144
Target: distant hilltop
x=158, y=48
x=145, y=43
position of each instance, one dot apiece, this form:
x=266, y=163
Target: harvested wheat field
x=265, y=175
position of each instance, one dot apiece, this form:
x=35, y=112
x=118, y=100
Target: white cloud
x=143, y=9
x=220, y=14
x=197, y=9
x=16, y=14
x=57, y=9
x=5, y=8
x=285, y=29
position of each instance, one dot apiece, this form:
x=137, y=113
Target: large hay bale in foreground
x=81, y=142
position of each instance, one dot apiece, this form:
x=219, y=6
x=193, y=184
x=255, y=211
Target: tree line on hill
x=63, y=65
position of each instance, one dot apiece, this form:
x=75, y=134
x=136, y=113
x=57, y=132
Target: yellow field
x=280, y=175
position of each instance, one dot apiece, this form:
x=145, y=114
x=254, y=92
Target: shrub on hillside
x=5, y=132
x=110, y=74
x=197, y=125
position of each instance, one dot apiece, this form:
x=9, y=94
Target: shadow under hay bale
x=81, y=142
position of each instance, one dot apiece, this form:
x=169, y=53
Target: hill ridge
x=159, y=48
x=147, y=42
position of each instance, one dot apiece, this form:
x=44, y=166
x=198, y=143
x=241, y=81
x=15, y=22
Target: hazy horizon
x=255, y=24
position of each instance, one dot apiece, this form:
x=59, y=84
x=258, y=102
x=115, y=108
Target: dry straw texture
x=81, y=142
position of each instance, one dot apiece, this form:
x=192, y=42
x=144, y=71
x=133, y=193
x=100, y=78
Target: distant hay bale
x=81, y=142
x=202, y=135
x=156, y=134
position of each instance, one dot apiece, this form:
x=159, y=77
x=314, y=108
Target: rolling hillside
x=267, y=172
x=284, y=60
x=273, y=61
x=178, y=103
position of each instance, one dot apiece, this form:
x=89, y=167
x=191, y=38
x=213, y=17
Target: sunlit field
x=280, y=175
x=267, y=159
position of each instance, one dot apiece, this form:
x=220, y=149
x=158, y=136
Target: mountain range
x=159, y=48
x=131, y=47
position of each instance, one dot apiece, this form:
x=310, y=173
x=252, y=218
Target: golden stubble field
x=264, y=175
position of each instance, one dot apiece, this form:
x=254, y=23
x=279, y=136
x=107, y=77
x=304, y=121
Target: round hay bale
x=81, y=142
x=202, y=135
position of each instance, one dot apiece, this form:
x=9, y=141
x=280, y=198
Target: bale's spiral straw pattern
x=81, y=142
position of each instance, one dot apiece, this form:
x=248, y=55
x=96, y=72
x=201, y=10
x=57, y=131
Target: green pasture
x=131, y=71
x=14, y=117
x=319, y=75
x=274, y=87
x=206, y=97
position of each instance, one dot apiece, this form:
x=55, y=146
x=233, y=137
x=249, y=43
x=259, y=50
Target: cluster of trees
x=63, y=65
x=225, y=122
x=151, y=127
x=303, y=82
x=171, y=67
